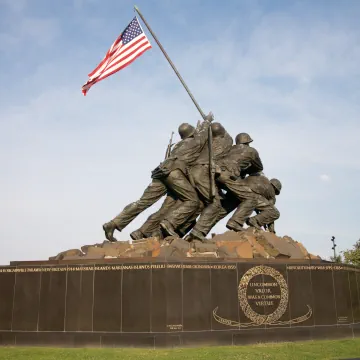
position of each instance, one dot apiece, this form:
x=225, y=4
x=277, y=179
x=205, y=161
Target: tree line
x=350, y=256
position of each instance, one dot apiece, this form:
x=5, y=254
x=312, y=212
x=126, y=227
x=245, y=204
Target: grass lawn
x=336, y=349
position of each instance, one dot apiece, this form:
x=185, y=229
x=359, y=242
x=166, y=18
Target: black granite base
x=180, y=339
x=170, y=304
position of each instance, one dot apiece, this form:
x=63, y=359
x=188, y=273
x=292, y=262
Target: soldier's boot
x=109, y=229
x=188, y=238
x=195, y=235
x=158, y=234
x=271, y=228
x=253, y=223
x=232, y=225
x=168, y=228
x=137, y=235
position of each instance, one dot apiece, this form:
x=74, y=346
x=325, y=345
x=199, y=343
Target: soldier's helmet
x=277, y=185
x=186, y=130
x=217, y=129
x=243, y=138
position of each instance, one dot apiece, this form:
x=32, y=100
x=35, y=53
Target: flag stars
x=132, y=31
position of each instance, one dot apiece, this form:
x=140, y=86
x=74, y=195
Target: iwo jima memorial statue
x=172, y=285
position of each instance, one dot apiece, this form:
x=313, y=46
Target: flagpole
x=211, y=163
x=171, y=63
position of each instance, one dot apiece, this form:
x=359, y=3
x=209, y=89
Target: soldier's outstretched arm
x=201, y=134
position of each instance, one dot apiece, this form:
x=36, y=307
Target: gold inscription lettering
x=263, y=291
x=322, y=268
x=174, y=327
x=265, y=284
x=264, y=303
x=73, y=268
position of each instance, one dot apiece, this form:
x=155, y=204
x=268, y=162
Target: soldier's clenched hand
x=209, y=117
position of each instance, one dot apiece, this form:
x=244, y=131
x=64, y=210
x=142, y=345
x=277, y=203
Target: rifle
x=168, y=149
x=211, y=166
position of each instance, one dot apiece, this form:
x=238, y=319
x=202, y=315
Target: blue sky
x=286, y=72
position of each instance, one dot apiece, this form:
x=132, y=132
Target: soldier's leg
x=242, y=213
x=247, y=204
x=201, y=177
x=201, y=180
x=228, y=203
x=191, y=222
x=212, y=214
x=150, y=196
x=152, y=225
x=180, y=186
x=267, y=214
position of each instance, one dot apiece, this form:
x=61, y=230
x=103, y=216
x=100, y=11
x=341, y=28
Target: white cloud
x=325, y=178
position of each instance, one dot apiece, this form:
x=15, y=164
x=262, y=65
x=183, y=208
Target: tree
x=336, y=259
x=352, y=256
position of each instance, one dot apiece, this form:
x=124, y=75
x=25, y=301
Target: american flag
x=126, y=48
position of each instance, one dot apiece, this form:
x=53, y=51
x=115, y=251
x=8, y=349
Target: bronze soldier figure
x=267, y=213
x=264, y=200
x=222, y=144
x=173, y=174
x=169, y=176
x=199, y=178
x=242, y=160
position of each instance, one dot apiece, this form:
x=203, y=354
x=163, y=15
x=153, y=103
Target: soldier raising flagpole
x=211, y=163
x=129, y=45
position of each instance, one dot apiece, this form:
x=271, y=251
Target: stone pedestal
x=152, y=302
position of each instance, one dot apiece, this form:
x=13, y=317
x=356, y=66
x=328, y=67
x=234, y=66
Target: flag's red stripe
x=126, y=47
x=116, y=42
x=87, y=86
x=99, y=66
x=122, y=50
x=124, y=57
x=108, y=54
x=122, y=66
